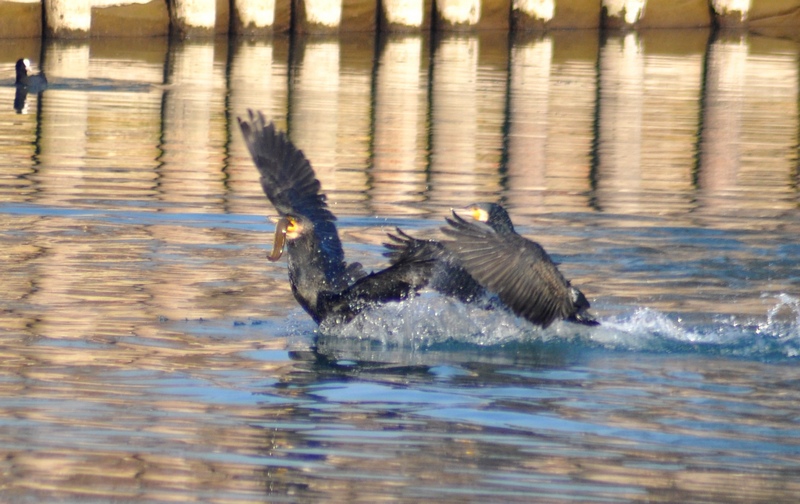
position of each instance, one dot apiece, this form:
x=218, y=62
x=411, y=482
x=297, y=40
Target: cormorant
x=322, y=282
x=32, y=83
x=478, y=257
x=515, y=268
x=487, y=257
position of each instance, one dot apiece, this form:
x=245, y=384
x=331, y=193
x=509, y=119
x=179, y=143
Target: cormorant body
x=32, y=83
x=476, y=260
x=322, y=282
x=515, y=268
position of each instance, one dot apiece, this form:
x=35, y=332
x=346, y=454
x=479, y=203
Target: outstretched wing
x=518, y=270
x=402, y=248
x=289, y=181
x=446, y=275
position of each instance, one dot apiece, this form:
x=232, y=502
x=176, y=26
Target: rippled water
x=150, y=353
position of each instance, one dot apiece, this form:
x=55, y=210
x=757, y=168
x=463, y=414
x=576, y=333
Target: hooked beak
x=280, y=239
x=464, y=213
x=472, y=212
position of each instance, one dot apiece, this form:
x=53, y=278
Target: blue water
x=150, y=353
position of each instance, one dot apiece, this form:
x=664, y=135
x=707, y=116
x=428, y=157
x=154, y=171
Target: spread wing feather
x=518, y=270
x=289, y=181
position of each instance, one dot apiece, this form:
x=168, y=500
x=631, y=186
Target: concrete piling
x=731, y=13
x=191, y=18
x=129, y=18
x=202, y=18
x=67, y=18
x=317, y=16
x=253, y=18
x=541, y=15
x=20, y=19
x=405, y=15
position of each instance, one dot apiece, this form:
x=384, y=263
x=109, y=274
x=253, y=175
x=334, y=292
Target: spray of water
x=432, y=320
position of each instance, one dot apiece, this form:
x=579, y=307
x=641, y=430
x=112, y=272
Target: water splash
x=432, y=320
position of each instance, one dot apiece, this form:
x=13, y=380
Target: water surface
x=150, y=353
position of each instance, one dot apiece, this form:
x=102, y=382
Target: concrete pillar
x=317, y=16
x=457, y=14
x=730, y=13
x=21, y=19
x=537, y=15
x=625, y=14
x=193, y=18
x=622, y=13
x=469, y=15
x=260, y=17
x=405, y=15
x=68, y=18
x=129, y=18
x=532, y=14
x=251, y=17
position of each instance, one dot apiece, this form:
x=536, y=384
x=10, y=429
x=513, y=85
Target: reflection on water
x=150, y=353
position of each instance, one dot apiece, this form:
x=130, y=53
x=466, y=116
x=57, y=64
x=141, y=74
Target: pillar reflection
x=749, y=125
x=329, y=104
x=258, y=81
x=400, y=132
x=468, y=100
x=194, y=128
x=619, y=131
x=550, y=133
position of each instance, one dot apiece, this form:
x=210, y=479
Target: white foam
x=431, y=320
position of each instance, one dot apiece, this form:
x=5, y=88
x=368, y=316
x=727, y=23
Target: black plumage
x=322, y=282
x=445, y=273
x=515, y=268
x=478, y=258
x=32, y=83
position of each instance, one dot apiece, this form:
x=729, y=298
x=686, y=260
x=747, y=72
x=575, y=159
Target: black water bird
x=32, y=83
x=321, y=281
x=477, y=259
x=515, y=268
x=489, y=257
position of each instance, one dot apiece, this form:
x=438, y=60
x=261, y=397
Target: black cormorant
x=322, y=282
x=32, y=83
x=490, y=257
x=515, y=268
x=477, y=258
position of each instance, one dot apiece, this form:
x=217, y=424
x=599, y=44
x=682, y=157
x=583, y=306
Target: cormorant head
x=288, y=227
x=22, y=67
x=492, y=214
